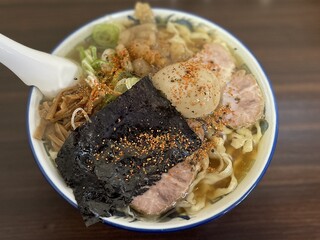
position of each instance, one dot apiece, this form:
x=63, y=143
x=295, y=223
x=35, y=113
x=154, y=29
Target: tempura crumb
x=144, y=13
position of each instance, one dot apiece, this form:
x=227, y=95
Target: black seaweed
x=104, y=174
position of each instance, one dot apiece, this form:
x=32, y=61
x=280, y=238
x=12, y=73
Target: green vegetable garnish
x=106, y=35
x=108, y=99
x=87, y=66
x=96, y=64
x=90, y=53
x=120, y=75
x=87, y=56
x=125, y=84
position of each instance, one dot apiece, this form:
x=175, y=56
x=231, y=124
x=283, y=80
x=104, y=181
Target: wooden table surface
x=283, y=35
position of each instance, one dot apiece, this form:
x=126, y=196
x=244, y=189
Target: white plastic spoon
x=47, y=72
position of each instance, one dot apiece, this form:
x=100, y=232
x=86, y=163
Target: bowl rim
x=216, y=27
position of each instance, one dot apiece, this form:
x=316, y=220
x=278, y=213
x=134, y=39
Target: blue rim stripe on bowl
x=197, y=223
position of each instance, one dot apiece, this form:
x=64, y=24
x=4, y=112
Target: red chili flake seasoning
x=148, y=146
x=217, y=119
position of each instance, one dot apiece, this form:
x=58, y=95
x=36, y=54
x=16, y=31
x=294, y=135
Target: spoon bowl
x=47, y=72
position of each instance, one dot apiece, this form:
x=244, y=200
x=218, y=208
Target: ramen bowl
x=211, y=212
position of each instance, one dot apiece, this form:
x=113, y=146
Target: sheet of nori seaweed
x=103, y=183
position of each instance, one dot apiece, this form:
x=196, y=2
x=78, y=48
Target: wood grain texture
x=285, y=38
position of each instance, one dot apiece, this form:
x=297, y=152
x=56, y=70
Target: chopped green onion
x=107, y=99
x=131, y=81
x=90, y=53
x=120, y=75
x=96, y=64
x=87, y=66
x=93, y=51
x=125, y=84
x=89, y=59
x=81, y=52
x=106, y=35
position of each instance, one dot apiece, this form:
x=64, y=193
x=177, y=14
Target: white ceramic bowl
x=215, y=210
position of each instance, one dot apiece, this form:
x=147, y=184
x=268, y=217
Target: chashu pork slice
x=244, y=97
x=173, y=185
x=220, y=59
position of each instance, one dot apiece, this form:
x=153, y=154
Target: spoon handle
x=47, y=72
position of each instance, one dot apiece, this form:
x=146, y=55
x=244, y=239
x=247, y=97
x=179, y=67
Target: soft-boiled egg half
x=192, y=88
